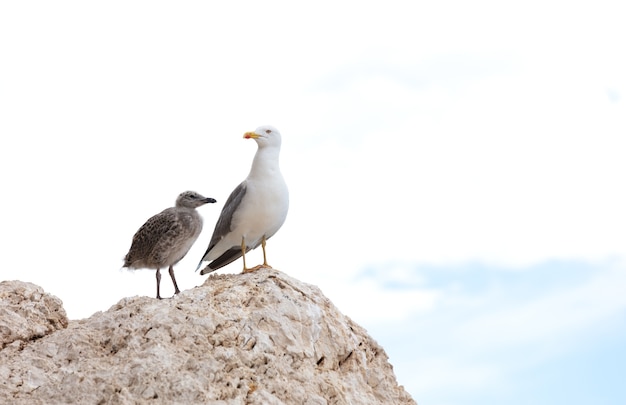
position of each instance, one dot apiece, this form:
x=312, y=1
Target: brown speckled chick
x=167, y=237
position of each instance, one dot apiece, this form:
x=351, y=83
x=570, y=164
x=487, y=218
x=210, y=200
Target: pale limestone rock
x=258, y=338
x=27, y=313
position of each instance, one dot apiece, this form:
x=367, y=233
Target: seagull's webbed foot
x=255, y=268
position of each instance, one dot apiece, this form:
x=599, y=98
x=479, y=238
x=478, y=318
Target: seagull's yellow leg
x=264, y=255
x=243, y=254
x=260, y=266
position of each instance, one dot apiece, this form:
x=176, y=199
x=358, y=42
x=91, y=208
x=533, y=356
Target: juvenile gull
x=255, y=210
x=167, y=237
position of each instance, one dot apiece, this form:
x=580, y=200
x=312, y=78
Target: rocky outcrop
x=257, y=338
x=27, y=313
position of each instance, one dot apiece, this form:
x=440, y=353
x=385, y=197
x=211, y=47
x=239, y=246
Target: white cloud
x=485, y=327
x=551, y=319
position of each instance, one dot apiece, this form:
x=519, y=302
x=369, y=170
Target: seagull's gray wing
x=223, y=225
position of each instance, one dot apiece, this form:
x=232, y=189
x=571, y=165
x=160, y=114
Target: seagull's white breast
x=263, y=210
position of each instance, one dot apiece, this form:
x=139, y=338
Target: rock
x=27, y=313
x=257, y=338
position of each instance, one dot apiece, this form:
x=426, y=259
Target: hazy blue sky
x=455, y=168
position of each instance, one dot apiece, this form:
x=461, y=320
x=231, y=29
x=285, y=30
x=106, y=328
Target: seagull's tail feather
x=207, y=270
x=227, y=257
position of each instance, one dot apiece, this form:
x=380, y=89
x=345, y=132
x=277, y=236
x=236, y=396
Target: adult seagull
x=254, y=211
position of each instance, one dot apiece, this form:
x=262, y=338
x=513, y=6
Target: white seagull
x=254, y=211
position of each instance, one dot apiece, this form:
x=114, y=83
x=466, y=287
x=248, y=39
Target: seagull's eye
x=268, y=131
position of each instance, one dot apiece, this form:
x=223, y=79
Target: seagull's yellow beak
x=249, y=135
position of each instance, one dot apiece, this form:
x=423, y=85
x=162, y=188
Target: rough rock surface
x=27, y=313
x=258, y=338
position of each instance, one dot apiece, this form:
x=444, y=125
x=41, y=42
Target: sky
x=455, y=169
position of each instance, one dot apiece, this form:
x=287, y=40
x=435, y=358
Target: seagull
x=254, y=211
x=167, y=237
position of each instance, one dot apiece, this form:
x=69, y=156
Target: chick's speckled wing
x=149, y=236
x=176, y=239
